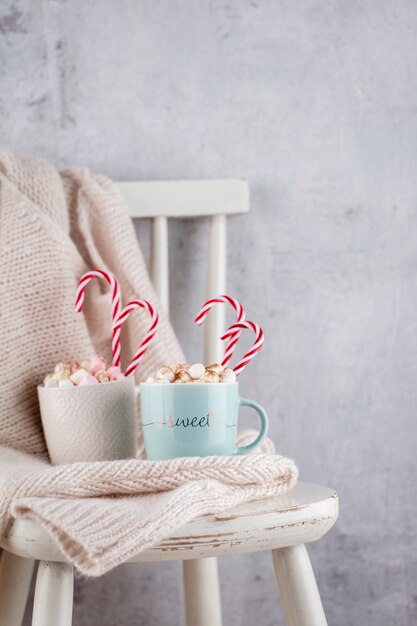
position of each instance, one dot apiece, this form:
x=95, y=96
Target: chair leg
x=202, y=592
x=53, y=595
x=298, y=588
x=15, y=578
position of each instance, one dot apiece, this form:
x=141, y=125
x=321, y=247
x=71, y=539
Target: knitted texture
x=53, y=228
x=146, y=500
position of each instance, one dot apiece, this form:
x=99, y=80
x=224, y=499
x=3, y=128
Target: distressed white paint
x=159, y=263
x=186, y=198
x=53, y=595
x=214, y=324
x=298, y=588
x=192, y=199
x=15, y=577
x=302, y=516
x=314, y=103
x=202, y=597
x=247, y=529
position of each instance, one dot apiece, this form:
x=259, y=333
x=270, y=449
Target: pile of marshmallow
x=89, y=372
x=196, y=373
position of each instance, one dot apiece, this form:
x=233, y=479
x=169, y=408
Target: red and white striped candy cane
x=204, y=311
x=245, y=360
x=79, y=301
x=122, y=317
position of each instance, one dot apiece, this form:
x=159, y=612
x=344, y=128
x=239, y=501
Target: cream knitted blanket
x=53, y=227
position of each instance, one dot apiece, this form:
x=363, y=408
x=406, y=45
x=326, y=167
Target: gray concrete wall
x=315, y=103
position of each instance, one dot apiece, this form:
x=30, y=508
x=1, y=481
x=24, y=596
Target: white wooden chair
x=283, y=525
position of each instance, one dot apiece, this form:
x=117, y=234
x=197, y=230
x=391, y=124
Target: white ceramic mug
x=90, y=423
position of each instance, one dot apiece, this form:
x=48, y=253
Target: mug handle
x=264, y=425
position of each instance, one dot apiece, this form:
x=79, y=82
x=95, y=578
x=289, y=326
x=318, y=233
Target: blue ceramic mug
x=194, y=419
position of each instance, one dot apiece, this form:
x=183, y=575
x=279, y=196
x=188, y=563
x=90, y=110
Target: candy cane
x=79, y=301
x=240, y=318
x=256, y=346
x=122, y=317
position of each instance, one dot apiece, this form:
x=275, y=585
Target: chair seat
x=303, y=515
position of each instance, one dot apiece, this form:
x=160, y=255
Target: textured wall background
x=315, y=103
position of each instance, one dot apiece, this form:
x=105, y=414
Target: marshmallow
x=70, y=374
x=195, y=373
x=228, y=376
x=209, y=377
x=77, y=376
x=50, y=381
x=65, y=383
x=197, y=370
x=114, y=372
x=59, y=367
x=165, y=374
x=98, y=364
x=215, y=367
x=102, y=377
x=88, y=380
x=183, y=377
x=63, y=375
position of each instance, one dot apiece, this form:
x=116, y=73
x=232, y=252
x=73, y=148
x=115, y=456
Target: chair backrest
x=215, y=199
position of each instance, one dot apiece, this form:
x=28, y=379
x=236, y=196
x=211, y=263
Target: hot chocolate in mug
x=197, y=419
x=90, y=423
